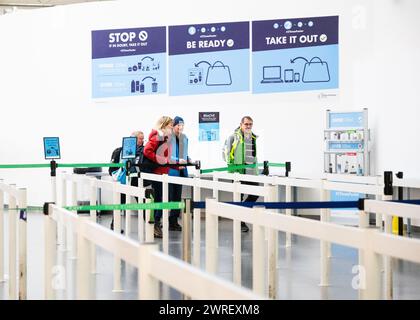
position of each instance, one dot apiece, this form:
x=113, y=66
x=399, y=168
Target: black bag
x=147, y=165
x=115, y=158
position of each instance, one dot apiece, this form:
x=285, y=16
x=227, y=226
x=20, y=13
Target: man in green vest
x=241, y=148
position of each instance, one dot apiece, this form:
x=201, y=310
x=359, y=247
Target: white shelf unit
x=353, y=159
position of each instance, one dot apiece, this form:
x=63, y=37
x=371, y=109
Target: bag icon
x=218, y=75
x=316, y=70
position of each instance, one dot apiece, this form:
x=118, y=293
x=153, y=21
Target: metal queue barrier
x=17, y=225
x=153, y=266
x=371, y=242
x=269, y=195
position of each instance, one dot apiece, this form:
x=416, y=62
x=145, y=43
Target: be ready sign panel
x=208, y=58
x=296, y=54
x=128, y=62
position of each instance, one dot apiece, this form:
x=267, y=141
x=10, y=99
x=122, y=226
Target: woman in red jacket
x=157, y=150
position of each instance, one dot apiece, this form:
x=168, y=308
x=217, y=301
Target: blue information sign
x=129, y=148
x=51, y=148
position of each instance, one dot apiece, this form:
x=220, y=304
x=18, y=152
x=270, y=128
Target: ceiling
x=8, y=6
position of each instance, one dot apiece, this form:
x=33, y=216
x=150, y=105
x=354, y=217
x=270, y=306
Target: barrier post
x=150, y=236
x=22, y=244
x=211, y=245
x=165, y=215
x=400, y=175
x=186, y=234
x=258, y=258
x=363, y=224
x=140, y=218
x=93, y=200
x=388, y=192
x=73, y=234
x=237, y=241
x=116, y=196
x=370, y=274
x=196, y=225
x=148, y=286
x=216, y=197
x=324, y=245
x=272, y=248
x=130, y=199
x=12, y=246
x=67, y=229
x=50, y=248
x=288, y=213
x=1, y=234
x=84, y=255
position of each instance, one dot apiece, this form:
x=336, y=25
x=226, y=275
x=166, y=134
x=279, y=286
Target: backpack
x=115, y=158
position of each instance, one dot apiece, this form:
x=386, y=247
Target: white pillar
x=387, y=259
x=196, y=225
x=165, y=215
x=22, y=244
x=370, y=274
x=116, y=197
x=50, y=248
x=378, y=216
x=12, y=247
x=324, y=245
x=148, y=286
x=150, y=236
x=130, y=200
x=216, y=197
x=272, y=247
x=258, y=257
x=73, y=236
x=237, y=239
x=67, y=228
x=83, y=267
x=93, y=199
x=211, y=240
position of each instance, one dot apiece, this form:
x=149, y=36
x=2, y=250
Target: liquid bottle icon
x=133, y=86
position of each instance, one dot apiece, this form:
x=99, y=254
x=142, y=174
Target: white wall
x=45, y=85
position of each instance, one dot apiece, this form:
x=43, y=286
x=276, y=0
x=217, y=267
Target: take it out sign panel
x=208, y=58
x=297, y=54
x=128, y=62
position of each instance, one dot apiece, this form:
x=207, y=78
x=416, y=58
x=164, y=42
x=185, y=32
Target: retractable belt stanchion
x=388, y=192
x=50, y=247
x=12, y=246
x=400, y=175
x=22, y=204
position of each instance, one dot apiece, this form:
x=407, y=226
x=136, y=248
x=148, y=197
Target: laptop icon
x=272, y=74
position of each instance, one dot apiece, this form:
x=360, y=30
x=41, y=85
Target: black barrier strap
x=290, y=205
x=303, y=205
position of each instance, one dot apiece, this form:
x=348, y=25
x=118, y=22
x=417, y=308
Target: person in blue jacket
x=179, y=155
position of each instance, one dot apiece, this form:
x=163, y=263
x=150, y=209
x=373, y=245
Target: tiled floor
x=298, y=267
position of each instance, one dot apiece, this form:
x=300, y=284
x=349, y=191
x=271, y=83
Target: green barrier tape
x=243, y=166
x=231, y=167
x=279, y=165
x=62, y=165
x=130, y=206
x=22, y=166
